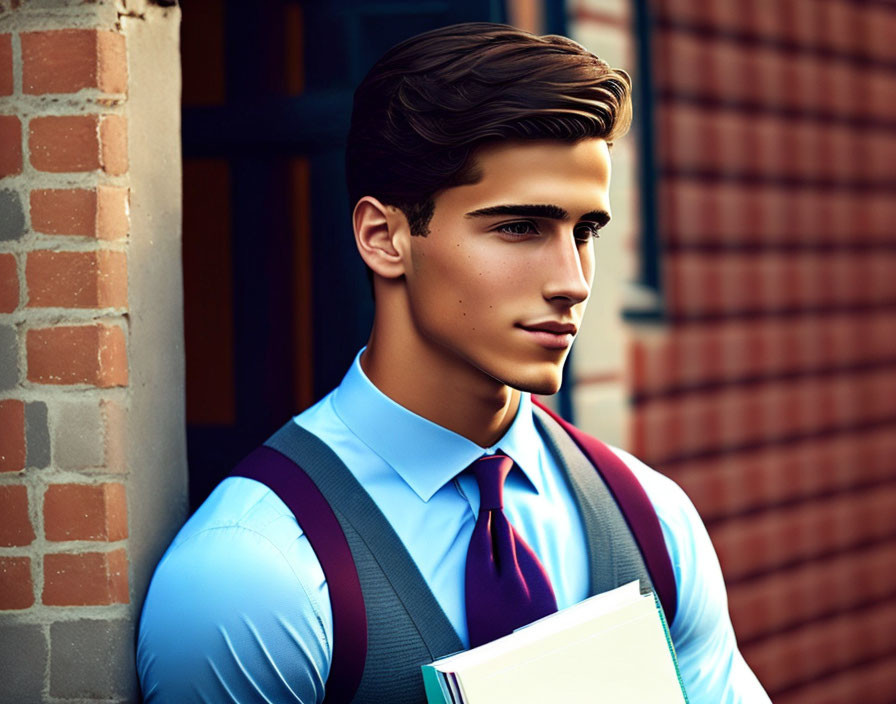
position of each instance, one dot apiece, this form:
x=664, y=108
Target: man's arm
x=236, y=615
x=713, y=670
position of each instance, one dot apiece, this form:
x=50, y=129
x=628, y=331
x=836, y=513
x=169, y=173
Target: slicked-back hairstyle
x=431, y=100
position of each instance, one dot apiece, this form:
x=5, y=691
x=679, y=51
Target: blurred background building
x=741, y=336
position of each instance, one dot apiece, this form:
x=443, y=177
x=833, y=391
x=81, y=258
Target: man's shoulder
x=236, y=503
x=239, y=592
x=655, y=483
x=672, y=505
x=241, y=541
x=241, y=528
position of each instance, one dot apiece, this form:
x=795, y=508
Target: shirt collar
x=426, y=455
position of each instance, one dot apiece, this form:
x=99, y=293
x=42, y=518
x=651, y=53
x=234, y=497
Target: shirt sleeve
x=228, y=619
x=712, y=667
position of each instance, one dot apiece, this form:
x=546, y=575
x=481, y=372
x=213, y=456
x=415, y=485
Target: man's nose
x=568, y=275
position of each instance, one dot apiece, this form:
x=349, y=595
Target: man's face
x=500, y=284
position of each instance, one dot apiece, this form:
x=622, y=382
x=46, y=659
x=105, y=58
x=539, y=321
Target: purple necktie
x=506, y=585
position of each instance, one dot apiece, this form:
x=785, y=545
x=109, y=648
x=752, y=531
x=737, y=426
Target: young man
x=479, y=165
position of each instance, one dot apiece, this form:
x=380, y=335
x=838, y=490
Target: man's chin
x=541, y=389
x=541, y=385
x=543, y=380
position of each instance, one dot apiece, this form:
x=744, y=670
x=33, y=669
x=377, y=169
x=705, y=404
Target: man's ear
x=379, y=229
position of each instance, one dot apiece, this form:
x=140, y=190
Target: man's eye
x=585, y=231
x=520, y=227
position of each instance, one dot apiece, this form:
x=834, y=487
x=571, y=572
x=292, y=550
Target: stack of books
x=613, y=647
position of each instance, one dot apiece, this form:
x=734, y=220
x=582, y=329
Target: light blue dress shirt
x=238, y=609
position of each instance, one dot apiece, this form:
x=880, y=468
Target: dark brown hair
x=431, y=100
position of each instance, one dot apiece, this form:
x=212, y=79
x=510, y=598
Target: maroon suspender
x=320, y=525
x=636, y=508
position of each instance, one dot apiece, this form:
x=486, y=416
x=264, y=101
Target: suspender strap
x=320, y=525
x=637, y=509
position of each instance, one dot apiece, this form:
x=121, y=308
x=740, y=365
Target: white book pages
x=582, y=612
x=611, y=647
x=624, y=661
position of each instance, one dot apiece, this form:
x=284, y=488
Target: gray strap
x=352, y=504
x=614, y=556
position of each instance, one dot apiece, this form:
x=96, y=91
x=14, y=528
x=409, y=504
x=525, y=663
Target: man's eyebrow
x=553, y=212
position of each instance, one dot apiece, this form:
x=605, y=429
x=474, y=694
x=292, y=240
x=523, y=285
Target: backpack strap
x=320, y=525
x=636, y=507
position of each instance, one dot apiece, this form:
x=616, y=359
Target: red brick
x=696, y=212
x=800, y=656
x=115, y=427
x=6, y=83
x=880, y=88
x=16, y=586
x=77, y=279
x=881, y=28
x=757, y=544
x=774, y=410
x=766, y=477
x=804, y=23
x=688, y=66
x=638, y=435
x=112, y=68
x=65, y=61
x=76, y=143
x=873, y=683
x=10, y=145
x=86, y=579
x=15, y=528
x=100, y=212
x=693, y=12
x=659, y=430
x=840, y=95
x=85, y=512
x=729, y=142
x=112, y=221
x=638, y=369
x=114, y=144
x=12, y=437
x=691, y=137
x=802, y=83
x=692, y=212
x=9, y=284
x=794, y=22
x=82, y=354
x=65, y=143
x=702, y=284
x=64, y=211
x=783, y=80
x=841, y=26
x=811, y=591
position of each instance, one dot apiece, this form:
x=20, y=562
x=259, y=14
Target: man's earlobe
x=378, y=229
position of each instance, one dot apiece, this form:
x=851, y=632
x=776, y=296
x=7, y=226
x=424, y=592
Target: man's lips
x=551, y=334
x=551, y=326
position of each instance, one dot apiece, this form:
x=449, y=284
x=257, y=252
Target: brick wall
x=67, y=601
x=770, y=395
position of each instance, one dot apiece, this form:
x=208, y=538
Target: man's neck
x=458, y=398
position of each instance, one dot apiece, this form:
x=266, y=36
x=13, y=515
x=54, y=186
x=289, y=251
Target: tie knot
x=491, y=471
